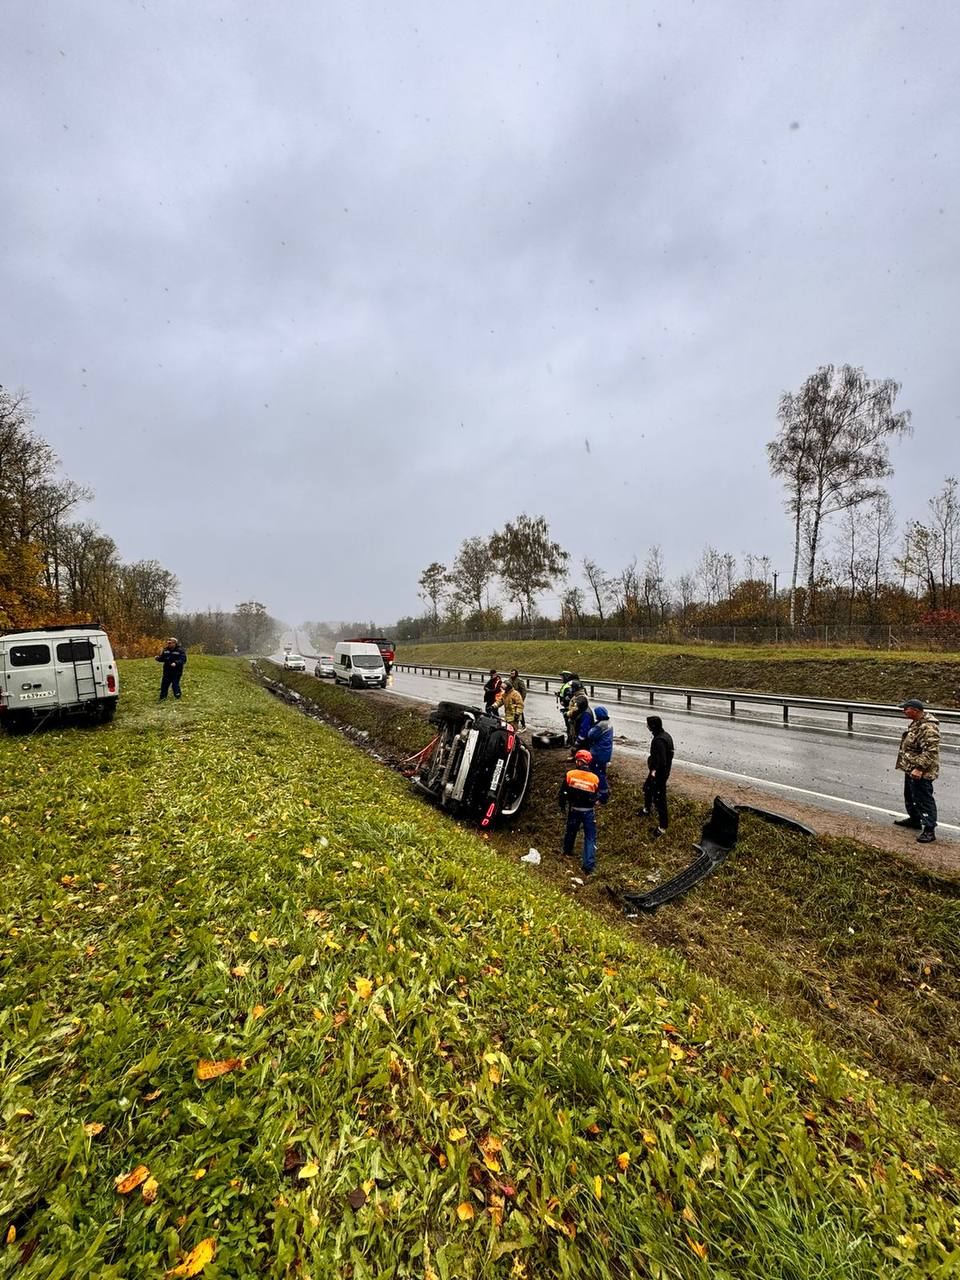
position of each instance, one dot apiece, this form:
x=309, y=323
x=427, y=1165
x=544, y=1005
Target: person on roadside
x=564, y=694
x=521, y=687
x=659, y=764
x=491, y=689
x=512, y=704
x=598, y=740
x=582, y=719
x=919, y=758
x=174, y=659
x=579, y=793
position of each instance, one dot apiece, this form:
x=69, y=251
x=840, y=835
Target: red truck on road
x=385, y=646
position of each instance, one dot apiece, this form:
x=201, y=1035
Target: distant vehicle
x=359, y=664
x=324, y=665
x=57, y=671
x=478, y=766
x=386, y=647
x=293, y=662
x=288, y=648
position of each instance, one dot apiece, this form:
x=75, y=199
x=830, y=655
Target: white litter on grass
x=575, y=880
x=324, y=842
x=533, y=857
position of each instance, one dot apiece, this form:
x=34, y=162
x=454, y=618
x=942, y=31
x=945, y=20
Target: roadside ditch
x=860, y=946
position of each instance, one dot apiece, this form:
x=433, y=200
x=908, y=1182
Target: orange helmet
x=583, y=757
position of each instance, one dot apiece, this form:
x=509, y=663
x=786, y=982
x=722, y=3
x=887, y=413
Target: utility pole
x=775, y=620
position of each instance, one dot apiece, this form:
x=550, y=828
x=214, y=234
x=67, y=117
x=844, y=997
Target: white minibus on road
x=359, y=665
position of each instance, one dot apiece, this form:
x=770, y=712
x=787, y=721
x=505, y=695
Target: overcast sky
x=310, y=292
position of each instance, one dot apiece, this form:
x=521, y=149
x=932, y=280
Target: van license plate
x=44, y=693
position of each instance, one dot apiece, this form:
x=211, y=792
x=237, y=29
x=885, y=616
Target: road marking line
x=761, y=782
x=785, y=786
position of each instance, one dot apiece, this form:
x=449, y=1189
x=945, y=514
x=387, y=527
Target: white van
x=359, y=665
x=57, y=671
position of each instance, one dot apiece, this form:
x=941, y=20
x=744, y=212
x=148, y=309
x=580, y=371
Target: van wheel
x=107, y=711
x=18, y=722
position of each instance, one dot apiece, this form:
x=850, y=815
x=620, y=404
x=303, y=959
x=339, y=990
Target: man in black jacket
x=659, y=763
x=174, y=659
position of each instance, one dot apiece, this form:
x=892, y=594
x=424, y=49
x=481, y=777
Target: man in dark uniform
x=174, y=659
x=491, y=690
x=659, y=763
x=579, y=792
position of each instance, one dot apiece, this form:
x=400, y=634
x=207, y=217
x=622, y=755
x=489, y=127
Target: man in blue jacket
x=597, y=738
x=174, y=659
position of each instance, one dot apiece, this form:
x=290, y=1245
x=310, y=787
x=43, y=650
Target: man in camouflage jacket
x=919, y=758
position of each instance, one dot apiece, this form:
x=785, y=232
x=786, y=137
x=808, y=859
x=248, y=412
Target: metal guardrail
x=731, y=696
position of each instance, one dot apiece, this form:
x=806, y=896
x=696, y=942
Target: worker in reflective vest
x=578, y=795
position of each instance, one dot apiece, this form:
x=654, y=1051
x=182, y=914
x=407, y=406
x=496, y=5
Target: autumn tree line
x=56, y=568
x=853, y=563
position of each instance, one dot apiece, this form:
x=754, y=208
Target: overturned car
x=476, y=766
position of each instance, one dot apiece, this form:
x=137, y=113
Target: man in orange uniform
x=578, y=795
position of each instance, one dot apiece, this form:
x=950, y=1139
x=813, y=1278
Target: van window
x=367, y=660
x=29, y=655
x=75, y=651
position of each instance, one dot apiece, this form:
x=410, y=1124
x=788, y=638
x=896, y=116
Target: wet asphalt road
x=813, y=760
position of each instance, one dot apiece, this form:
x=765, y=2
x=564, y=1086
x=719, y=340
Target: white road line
x=760, y=782
x=784, y=786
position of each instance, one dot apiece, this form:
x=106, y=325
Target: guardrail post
x=619, y=694
x=786, y=714
x=689, y=701
x=733, y=707
x=849, y=721
x=591, y=691
x=651, y=698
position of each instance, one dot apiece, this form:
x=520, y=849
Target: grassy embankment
x=864, y=948
x=839, y=673
x=430, y=1064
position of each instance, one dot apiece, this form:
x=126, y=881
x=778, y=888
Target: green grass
x=839, y=673
x=861, y=946
x=222, y=878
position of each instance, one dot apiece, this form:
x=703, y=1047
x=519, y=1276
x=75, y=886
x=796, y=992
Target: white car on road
x=293, y=662
x=324, y=665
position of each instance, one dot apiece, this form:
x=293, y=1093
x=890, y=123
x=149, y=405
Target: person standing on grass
x=598, y=740
x=512, y=705
x=521, y=687
x=174, y=659
x=579, y=793
x=659, y=763
x=491, y=689
x=919, y=758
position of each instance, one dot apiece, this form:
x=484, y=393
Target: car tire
x=521, y=788
x=453, y=711
x=107, y=711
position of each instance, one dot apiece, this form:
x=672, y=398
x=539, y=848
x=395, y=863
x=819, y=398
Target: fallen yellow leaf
x=239, y=971
x=456, y=1134
x=494, y=1075
x=363, y=988
x=699, y=1249
x=207, y=1070
x=149, y=1190
x=623, y=1161
x=598, y=1186
x=128, y=1182
x=465, y=1211
x=309, y=1170
x=258, y=1010
x=198, y=1174
x=93, y=1128
x=196, y=1259
x=649, y=1137
x=11, y=1233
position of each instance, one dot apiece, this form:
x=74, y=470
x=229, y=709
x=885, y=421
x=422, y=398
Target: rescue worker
x=659, y=763
x=174, y=659
x=512, y=704
x=563, y=694
x=598, y=740
x=491, y=689
x=521, y=687
x=919, y=758
x=579, y=792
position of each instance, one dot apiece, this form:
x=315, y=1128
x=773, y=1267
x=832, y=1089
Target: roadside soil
x=854, y=931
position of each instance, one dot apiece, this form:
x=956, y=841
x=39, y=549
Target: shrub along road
x=327, y=1032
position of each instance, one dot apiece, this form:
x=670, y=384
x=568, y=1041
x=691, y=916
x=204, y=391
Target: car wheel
x=452, y=711
x=516, y=788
